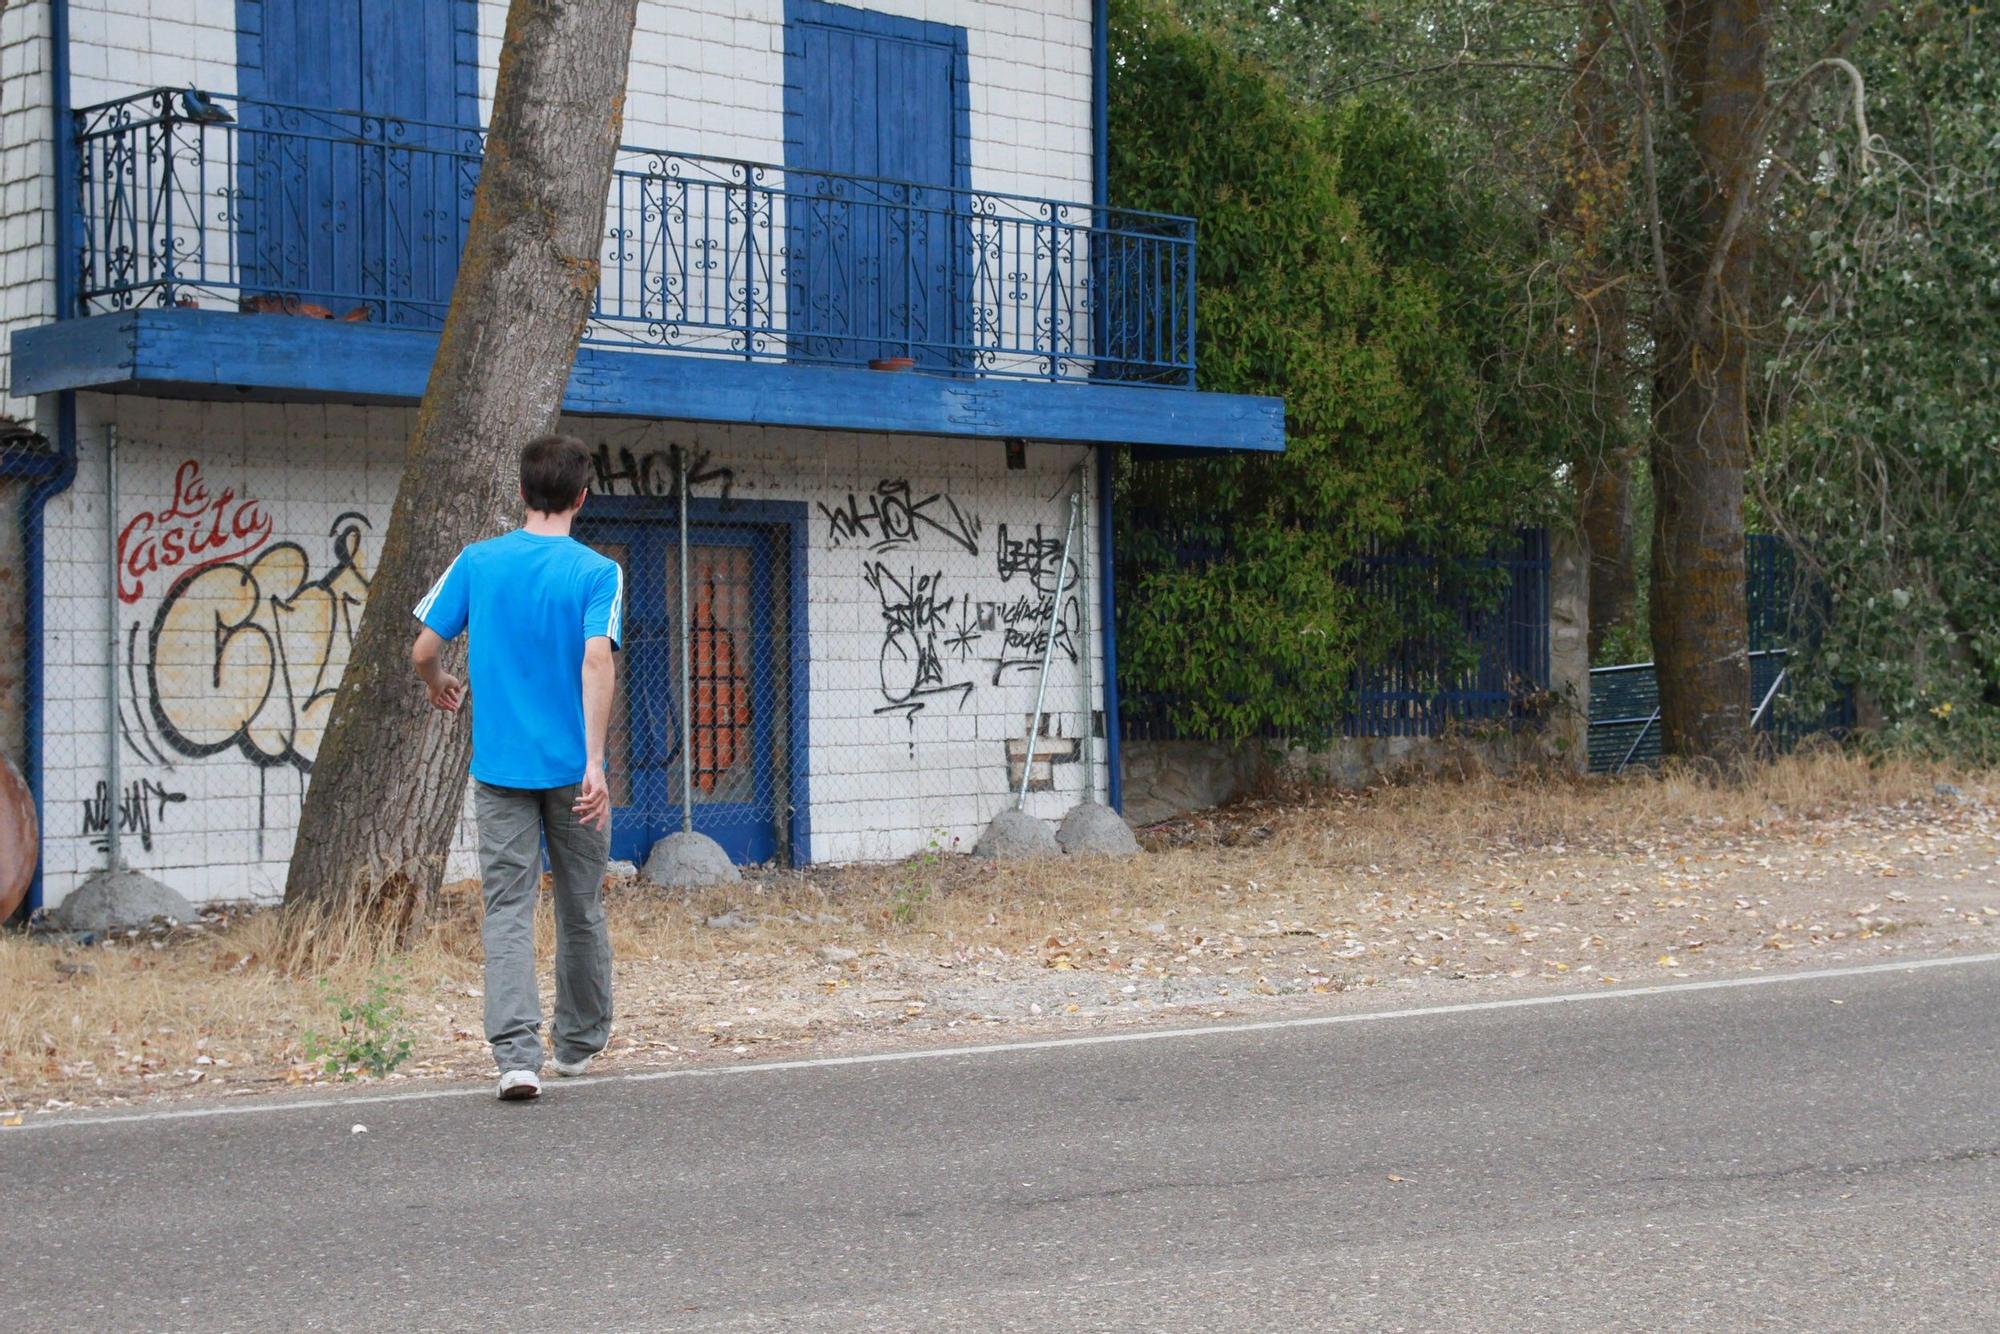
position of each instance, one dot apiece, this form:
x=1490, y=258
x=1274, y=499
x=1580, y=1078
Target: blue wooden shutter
x=359, y=151
x=873, y=269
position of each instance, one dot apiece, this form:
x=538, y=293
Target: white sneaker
x=571, y=1069
x=517, y=1085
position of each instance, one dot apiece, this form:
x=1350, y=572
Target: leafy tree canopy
x=1338, y=271
x=1885, y=471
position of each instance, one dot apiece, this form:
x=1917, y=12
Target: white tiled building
x=874, y=553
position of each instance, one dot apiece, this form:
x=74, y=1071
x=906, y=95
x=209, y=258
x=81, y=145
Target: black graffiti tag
x=1027, y=623
x=914, y=616
x=1037, y=557
x=1024, y=626
x=140, y=803
x=653, y=474
x=892, y=517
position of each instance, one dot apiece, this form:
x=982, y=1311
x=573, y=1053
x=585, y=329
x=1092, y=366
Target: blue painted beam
x=223, y=355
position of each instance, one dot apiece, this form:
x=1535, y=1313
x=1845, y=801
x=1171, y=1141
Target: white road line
x=482, y=1089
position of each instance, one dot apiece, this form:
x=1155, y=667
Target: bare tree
x=389, y=783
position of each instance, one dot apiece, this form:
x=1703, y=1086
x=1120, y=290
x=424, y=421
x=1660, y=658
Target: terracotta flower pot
x=892, y=364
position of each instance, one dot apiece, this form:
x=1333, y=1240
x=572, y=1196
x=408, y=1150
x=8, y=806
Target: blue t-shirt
x=530, y=602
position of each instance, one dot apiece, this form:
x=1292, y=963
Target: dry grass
x=228, y=1004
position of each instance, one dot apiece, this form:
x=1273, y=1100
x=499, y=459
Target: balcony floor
x=222, y=355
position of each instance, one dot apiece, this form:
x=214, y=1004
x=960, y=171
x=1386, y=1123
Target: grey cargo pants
x=513, y=822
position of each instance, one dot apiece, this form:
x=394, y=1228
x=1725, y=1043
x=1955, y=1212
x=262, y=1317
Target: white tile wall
x=122, y=46
x=27, y=167
x=882, y=786
x=705, y=78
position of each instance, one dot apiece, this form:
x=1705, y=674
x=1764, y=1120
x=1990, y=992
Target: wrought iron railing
x=191, y=199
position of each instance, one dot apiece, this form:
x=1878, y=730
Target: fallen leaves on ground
x=1307, y=898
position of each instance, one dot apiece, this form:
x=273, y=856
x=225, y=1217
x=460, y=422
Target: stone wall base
x=1164, y=779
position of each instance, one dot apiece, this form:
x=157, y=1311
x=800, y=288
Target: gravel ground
x=1911, y=881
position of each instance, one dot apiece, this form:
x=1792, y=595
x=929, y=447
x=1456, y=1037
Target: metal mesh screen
x=187, y=606
x=700, y=730
x=837, y=656
x=30, y=467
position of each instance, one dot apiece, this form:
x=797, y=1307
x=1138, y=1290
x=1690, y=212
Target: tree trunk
x=1606, y=516
x=1592, y=202
x=389, y=783
x=1701, y=404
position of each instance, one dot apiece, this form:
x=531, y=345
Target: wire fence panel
x=1781, y=613
x=1489, y=658
x=701, y=730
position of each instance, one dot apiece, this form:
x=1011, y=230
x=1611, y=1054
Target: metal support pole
x=687, y=690
x=1086, y=644
x=1769, y=695
x=1049, y=645
x=114, y=848
x=1633, y=749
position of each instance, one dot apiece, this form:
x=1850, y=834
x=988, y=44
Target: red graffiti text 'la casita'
x=196, y=527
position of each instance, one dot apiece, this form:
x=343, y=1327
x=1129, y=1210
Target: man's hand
x=593, y=803
x=445, y=692
x=427, y=656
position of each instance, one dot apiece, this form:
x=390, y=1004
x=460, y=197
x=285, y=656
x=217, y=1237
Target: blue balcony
x=230, y=248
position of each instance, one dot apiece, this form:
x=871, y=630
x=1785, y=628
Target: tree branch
x=1648, y=156
x=1744, y=188
x=1457, y=62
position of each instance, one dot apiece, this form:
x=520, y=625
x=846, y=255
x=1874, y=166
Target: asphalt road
x=1818, y=1155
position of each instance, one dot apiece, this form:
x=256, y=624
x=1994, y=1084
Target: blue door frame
x=774, y=824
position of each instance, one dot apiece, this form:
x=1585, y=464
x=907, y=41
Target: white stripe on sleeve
x=424, y=607
x=617, y=623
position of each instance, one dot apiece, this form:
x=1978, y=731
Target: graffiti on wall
x=1031, y=625
x=233, y=650
x=197, y=527
x=246, y=655
x=140, y=804
x=1035, y=557
x=915, y=617
x=929, y=631
x=652, y=473
x=892, y=517
x=1025, y=626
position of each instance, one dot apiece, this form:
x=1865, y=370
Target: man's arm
x=600, y=679
x=427, y=656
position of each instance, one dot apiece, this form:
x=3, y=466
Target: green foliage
x=372, y=1038
x=1886, y=474
x=1337, y=272
x=919, y=881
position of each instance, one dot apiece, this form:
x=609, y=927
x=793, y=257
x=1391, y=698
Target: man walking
x=544, y=614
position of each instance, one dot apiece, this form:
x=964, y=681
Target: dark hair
x=554, y=470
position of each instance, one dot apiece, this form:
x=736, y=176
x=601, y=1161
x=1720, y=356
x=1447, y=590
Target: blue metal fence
x=1484, y=659
x=1483, y=665
x=188, y=199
